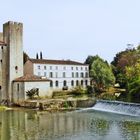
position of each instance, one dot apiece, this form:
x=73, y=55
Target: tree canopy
x=126, y=68
x=100, y=72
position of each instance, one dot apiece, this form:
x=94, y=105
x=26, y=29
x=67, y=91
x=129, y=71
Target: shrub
x=107, y=96
x=90, y=90
x=32, y=93
x=78, y=91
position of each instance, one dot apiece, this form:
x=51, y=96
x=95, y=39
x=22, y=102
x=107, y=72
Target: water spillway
x=118, y=107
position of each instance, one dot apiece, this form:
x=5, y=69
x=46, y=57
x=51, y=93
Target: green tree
x=134, y=90
x=126, y=68
x=122, y=60
x=90, y=59
x=101, y=74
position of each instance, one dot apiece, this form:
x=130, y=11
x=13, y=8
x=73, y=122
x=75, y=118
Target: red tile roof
x=2, y=43
x=31, y=78
x=59, y=62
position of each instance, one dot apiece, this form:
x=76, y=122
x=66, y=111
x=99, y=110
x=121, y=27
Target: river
x=76, y=125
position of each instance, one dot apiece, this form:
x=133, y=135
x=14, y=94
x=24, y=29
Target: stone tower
x=12, y=57
x=1, y=45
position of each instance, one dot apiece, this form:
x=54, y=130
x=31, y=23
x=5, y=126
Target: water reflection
x=32, y=125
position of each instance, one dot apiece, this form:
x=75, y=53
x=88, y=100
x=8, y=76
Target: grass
x=3, y=108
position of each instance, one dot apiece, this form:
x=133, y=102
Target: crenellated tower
x=12, y=57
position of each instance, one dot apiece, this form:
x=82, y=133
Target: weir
x=117, y=107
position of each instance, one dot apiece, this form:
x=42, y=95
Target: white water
x=117, y=107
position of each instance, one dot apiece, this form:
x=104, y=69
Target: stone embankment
x=58, y=104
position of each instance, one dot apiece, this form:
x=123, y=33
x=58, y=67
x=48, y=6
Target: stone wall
x=1, y=36
x=59, y=104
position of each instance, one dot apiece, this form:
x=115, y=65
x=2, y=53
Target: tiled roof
x=31, y=78
x=2, y=43
x=61, y=62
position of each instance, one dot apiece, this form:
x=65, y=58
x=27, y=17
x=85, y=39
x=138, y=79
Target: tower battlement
x=14, y=23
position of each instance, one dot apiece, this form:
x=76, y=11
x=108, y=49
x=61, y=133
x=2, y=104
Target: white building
x=64, y=74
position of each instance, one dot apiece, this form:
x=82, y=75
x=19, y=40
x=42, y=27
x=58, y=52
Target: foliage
x=37, y=56
x=101, y=74
x=77, y=91
x=107, y=96
x=90, y=90
x=32, y=93
x=90, y=60
x=66, y=105
x=122, y=62
x=134, y=90
x=126, y=68
x=3, y=108
x=41, y=56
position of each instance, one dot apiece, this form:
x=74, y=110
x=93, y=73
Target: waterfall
x=117, y=107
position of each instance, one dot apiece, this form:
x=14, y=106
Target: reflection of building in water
x=19, y=125
x=63, y=124
x=32, y=125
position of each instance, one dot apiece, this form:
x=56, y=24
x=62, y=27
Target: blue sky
x=74, y=29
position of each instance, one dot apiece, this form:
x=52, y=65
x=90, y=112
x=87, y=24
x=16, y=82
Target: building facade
x=64, y=74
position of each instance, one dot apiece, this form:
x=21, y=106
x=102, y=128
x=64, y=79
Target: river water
x=76, y=125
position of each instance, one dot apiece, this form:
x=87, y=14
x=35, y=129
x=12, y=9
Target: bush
x=77, y=91
x=107, y=96
x=32, y=93
x=90, y=90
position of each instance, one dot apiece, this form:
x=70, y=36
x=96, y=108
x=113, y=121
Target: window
x=64, y=68
x=81, y=68
x=77, y=74
x=86, y=68
x=45, y=74
x=77, y=83
x=82, y=74
x=86, y=82
x=17, y=87
x=71, y=68
x=87, y=75
x=51, y=84
x=76, y=68
x=64, y=75
x=50, y=67
x=51, y=75
x=56, y=83
x=72, y=74
x=56, y=75
x=64, y=83
x=56, y=67
x=82, y=82
x=45, y=67
x=39, y=73
x=38, y=67
x=72, y=83
x=0, y=87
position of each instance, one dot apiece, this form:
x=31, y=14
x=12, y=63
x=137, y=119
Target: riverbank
x=58, y=104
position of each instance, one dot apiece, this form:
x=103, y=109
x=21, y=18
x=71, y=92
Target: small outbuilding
x=28, y=82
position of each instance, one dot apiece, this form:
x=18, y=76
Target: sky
x=74, y=29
